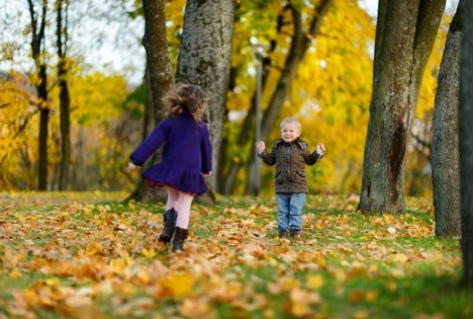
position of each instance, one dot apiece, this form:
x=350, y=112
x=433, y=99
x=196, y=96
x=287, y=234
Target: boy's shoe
x=295, y=233
x=282, y=234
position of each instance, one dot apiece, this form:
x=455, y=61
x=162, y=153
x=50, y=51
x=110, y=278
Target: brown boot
x=295, y=233
x=180, y=236
x=282, y=234
x=170, y=225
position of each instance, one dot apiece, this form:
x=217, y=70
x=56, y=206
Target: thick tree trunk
x=204, y=60
x=159, y=75
x=465, y=144
x=406, y=31
x=445, y=144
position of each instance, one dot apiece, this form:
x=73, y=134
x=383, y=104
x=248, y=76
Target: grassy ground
x=87, y=255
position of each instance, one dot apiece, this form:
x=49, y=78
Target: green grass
x=92, y=256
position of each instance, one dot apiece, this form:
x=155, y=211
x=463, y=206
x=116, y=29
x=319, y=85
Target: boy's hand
x=260, y=146
x=320, y=149
x=131, y=166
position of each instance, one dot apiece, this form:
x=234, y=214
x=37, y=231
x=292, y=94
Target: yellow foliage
x=330, y=94
x=96, y=112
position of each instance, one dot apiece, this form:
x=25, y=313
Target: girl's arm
x=141, y=154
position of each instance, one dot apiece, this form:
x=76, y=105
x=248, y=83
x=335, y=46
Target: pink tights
x=181, y=202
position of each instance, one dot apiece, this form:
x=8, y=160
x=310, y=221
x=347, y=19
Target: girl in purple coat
x=186, y=158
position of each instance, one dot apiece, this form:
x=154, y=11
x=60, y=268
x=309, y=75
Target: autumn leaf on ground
x=105, y=260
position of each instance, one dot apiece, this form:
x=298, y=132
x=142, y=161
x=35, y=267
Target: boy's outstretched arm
x=267, y=158
x=320, y=149
x=311, y=158
x=260, y=146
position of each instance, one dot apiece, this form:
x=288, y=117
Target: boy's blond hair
x=292, y=120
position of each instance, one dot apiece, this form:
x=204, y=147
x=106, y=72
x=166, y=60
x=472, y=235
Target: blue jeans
x=290, y=210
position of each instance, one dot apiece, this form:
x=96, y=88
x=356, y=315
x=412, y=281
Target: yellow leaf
x=339, y=275
x=302, y=300
x=371, y=296
x=300, y=310
x=14, y=274
x=314, y=282
x=142, y=276
x=180, y=285
x=126, y=288
x=149, y=253
x=398, y=257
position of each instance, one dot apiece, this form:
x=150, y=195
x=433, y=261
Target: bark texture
x=159, y=76
x=204, y=60
x=465, y=144
x=406, y=31
x=445, y=143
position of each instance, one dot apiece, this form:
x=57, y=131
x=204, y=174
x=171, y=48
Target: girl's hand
x=131, y=166
x=260, y=146
x=207, y=174
x=321, y=148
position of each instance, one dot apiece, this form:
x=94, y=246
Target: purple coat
x=187, y=154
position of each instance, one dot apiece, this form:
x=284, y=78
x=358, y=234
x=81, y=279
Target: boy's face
x=289, y=132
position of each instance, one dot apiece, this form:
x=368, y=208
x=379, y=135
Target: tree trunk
x=80, y=172
x=37, y=51
x=43, y=129
x=64, y=98
x=159, y=75
x=465, y=144
x=64, y=106
x=204, y=60
x=406, y=31
x=445, y=144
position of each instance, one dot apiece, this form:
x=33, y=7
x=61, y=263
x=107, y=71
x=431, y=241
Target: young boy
x=290, y=154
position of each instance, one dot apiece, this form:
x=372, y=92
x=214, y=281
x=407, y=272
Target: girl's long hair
x=187, y=96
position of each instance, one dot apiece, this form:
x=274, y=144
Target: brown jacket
x=290, y=159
